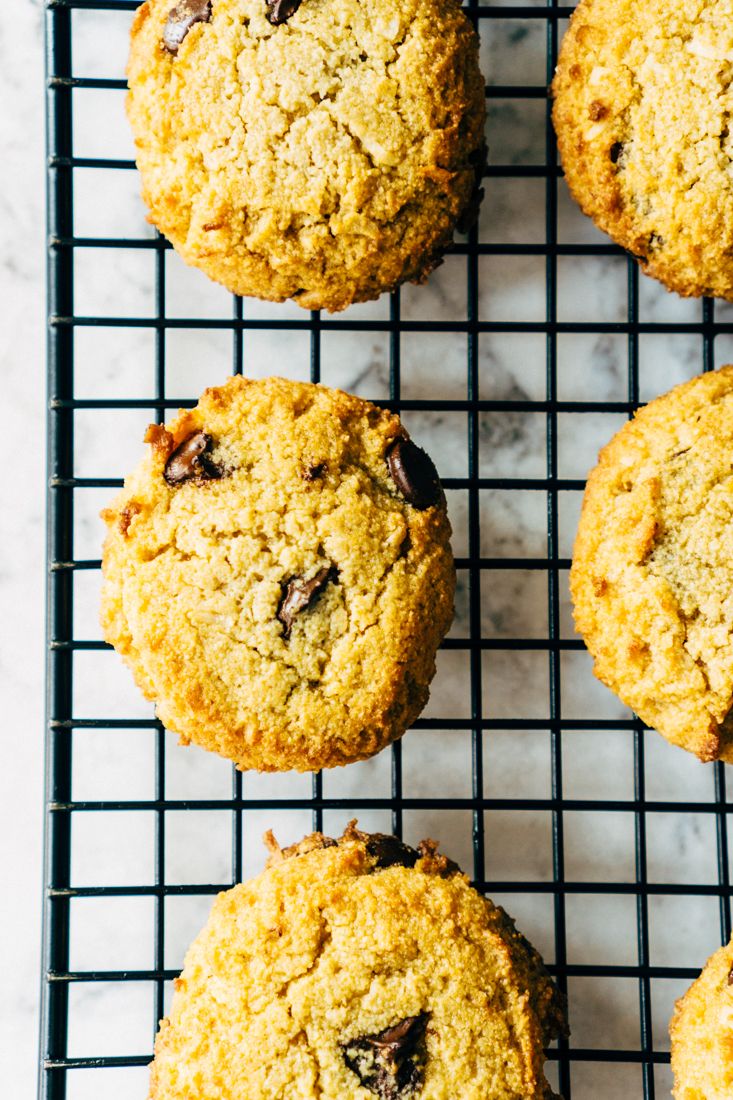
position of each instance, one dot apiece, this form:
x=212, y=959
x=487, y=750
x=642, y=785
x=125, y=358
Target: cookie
x=322, y=150
x=652, y=572
x=702, y=1033
x=278, y=575
x=642, y=102
x=358, y=968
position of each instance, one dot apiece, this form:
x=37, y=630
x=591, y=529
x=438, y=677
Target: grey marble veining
x=117, y=1018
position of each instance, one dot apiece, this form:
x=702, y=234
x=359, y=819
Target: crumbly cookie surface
x=278, y=575
x=652, y=573
x=643, y=99
x=354, y=969
x=702, y=1033
x=325, y=159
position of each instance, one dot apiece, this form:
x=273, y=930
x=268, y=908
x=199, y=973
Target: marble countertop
x=22, y=573
x=597, y=765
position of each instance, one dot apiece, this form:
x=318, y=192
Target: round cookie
x=322, y=150
x=652, y=573
x=643, y=98
x=702, y=1033
x=278, y=575
x=358, y=968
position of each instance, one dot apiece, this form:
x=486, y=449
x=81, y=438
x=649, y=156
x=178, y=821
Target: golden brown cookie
x=702, y=1033
x=278, y=575
x=322, y=151
x=652, y=573
x=358, y=968
x=643, y=98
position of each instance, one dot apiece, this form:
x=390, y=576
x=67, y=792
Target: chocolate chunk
x=300, y=594
x=279, y=11
x=191, y=461
x=181, y=19
x=469, y=216
x=388, y=1064
x=402, y=1038
x=615, y=151
x=391, y=852
x=414, y=474
x=314, y=472
x=730, y=976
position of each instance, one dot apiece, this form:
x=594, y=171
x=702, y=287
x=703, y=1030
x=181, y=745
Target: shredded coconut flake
x=598, y=74
x=594, y=131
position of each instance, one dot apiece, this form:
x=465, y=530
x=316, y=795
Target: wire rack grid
x=526, y=349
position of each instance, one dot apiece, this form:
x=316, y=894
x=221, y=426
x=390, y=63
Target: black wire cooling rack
x=610, y=846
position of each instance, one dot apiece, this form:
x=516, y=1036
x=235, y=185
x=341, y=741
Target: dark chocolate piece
x=191, y=461
x=387, y=1063
x=279, y=11
x=181, y=19
x=391, y=852
x=300, y=594
x=414, y=474
x=314, y=472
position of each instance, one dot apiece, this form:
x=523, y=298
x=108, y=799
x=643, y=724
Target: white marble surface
x=21, y=560
x=116, y=1018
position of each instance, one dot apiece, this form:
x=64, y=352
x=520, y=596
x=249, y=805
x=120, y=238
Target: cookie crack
x=301, y=1037
x=325, y=937
x=658, y=567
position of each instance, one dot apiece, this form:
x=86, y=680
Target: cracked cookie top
x=643, y=101
x=352, y=969
x=278, y=574
x=652, y=574
x=322, y=151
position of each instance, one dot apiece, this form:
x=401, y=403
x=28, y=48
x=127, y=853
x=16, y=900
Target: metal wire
x=57, y=1066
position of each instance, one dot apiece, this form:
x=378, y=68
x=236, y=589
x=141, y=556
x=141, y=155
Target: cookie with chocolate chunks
x=332, y=976
x=643, y=101
x=323, y=152
x=278, y=575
